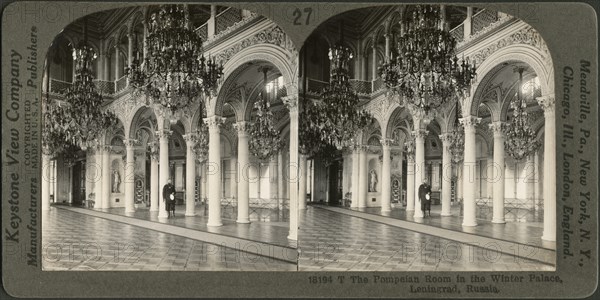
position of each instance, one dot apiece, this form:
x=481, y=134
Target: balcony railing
x=482, y=19
x=227, y=18
x=59, y=86
x=458, y=33
x=104, y=87
x=203, y=31
x=121, y=84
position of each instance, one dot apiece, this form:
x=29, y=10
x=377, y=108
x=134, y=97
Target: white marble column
x=130, y=48
x=243, y=193
x=548, y=105
x=106, y=69
x=154, y=182
x=420, y=173
x=291, y=102
x=302, y=183
x=117, y=72
x=214, y=170
x=410, y=182
x=190, y=175
x=446, y=175
x=364, y=177
x=105, y=187
x=273, y=176
x=386, y=176
x=498, y=176
x=46, y=178
x=280, y=180
x=467, y=23
x=129, y=176
x=387, y=46
x=469, y=169
x=374, y=66
x=145, y=34
x=233, y=164
x=355, y=176
x=163, y=177
x=536, y=179
x=212, y=22
x=489, y=176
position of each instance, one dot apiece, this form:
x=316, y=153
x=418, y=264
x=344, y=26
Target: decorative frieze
x=273, y=35
x=526, y=36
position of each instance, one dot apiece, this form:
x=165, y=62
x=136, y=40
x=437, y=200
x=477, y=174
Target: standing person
x=169, y=197
x=425, y=196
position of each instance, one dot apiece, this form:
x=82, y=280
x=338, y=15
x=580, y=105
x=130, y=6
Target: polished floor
x=335, y=241
x=77, y=241
x=528, y=233
x=330, y=239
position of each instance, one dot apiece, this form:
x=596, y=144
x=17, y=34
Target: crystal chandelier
x=340, y=117
x=175, y=72
x=457, y=139
x=264, y=138
x=79, y=119
x=425, y=71
x=520, y=137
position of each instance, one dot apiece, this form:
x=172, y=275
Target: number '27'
x=298, y=16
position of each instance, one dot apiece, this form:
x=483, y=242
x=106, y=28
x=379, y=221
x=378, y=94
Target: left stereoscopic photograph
x=166, y=137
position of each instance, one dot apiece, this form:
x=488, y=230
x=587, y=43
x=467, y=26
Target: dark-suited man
x=425, y=196
x=169, y=198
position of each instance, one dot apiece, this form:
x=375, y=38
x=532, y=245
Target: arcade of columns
x=298, y=187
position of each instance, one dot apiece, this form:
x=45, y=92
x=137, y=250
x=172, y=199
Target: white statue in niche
x=373, y=181
x=116, y=182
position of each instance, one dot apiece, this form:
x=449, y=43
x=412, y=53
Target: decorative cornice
x=526, y=36
x=273, y=35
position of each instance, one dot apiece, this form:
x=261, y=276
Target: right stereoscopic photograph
x=428, y=140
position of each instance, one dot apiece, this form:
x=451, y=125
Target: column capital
x=420, y=133
x=190, y=139
x=291, y=102
x=129, y=143
x=163, y=134
x=547, y=103
x=497, y=128
x=242, y=128
x=470, y=121
x=104, y=147
x=386, y=143
x=214, y=122
x=446, y=138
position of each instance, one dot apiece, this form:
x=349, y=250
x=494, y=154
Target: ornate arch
x=530, y=55
x=278, y=56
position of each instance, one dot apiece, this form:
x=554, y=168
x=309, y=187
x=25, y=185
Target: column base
x=190, y=214
x=163, y=216
x=153, y=209
x=387, y=209
x=498, y=221
x=409, y=209
x=243, y=221
x=469, y=223
x=130, y=210
x=545, y=237
x=292, y=238
x=214, y=224
x=418, y=214
x=446, y=214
